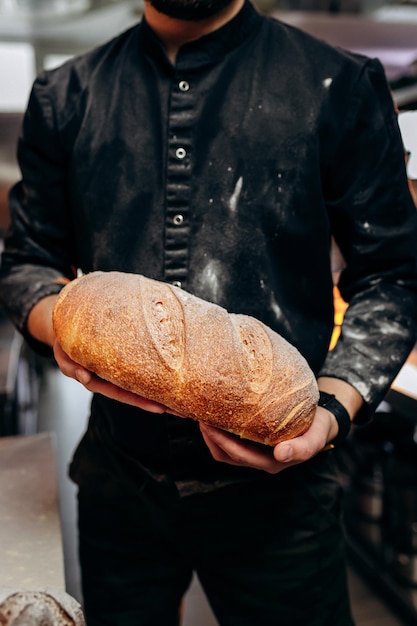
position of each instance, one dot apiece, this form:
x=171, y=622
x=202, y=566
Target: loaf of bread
x=192, y=356
x=43, y=607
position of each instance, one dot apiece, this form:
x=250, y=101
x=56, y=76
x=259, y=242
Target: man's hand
x=97, y=385
x=226, y=448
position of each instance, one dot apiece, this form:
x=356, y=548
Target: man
x=219, y=150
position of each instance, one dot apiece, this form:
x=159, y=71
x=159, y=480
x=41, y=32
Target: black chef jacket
x=226, y=175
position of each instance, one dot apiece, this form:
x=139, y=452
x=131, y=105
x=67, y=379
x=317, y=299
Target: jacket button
x=178, y=219
x=183, y=85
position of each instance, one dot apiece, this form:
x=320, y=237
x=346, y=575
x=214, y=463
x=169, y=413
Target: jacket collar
x=209, y=48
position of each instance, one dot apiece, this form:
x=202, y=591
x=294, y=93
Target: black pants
x=267, y=552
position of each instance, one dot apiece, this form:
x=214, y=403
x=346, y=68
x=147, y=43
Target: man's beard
x=190, y=10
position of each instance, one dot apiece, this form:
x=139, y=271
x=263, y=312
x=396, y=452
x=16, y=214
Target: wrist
x=329, y=402
x=39, y=323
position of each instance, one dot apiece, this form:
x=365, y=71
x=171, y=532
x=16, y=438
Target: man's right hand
x=97, y=385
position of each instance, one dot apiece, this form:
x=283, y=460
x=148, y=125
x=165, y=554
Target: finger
x=95, y=384
x=306, y=446
x=171, y=412
x=105, y=388
x=227, y=449
x=216, y=451
x=83, y=376
x=68, y=367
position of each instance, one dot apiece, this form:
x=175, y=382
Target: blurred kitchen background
x=381, y=462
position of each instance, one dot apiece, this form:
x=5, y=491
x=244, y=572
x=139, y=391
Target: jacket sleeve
x=37, y=254
x=374, y=222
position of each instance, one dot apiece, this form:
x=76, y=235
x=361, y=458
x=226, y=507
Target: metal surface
x=30, y=532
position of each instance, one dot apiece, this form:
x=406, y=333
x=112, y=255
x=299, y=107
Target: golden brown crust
x=167, y=345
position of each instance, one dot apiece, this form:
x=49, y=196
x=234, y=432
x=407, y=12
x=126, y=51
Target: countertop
x=30, y=529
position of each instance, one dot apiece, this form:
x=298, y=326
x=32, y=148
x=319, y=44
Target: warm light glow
x=340, y=307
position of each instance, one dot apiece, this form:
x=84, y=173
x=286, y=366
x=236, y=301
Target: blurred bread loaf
x=43, y=607
x=192, y=356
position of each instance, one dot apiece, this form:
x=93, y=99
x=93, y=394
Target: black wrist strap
x=331, y=403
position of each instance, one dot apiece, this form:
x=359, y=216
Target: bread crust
x=162, y=343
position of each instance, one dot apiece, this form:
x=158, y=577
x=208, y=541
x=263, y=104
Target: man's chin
x=190, y=10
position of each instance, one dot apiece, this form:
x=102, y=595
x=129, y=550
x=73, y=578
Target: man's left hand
x=227, y=448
